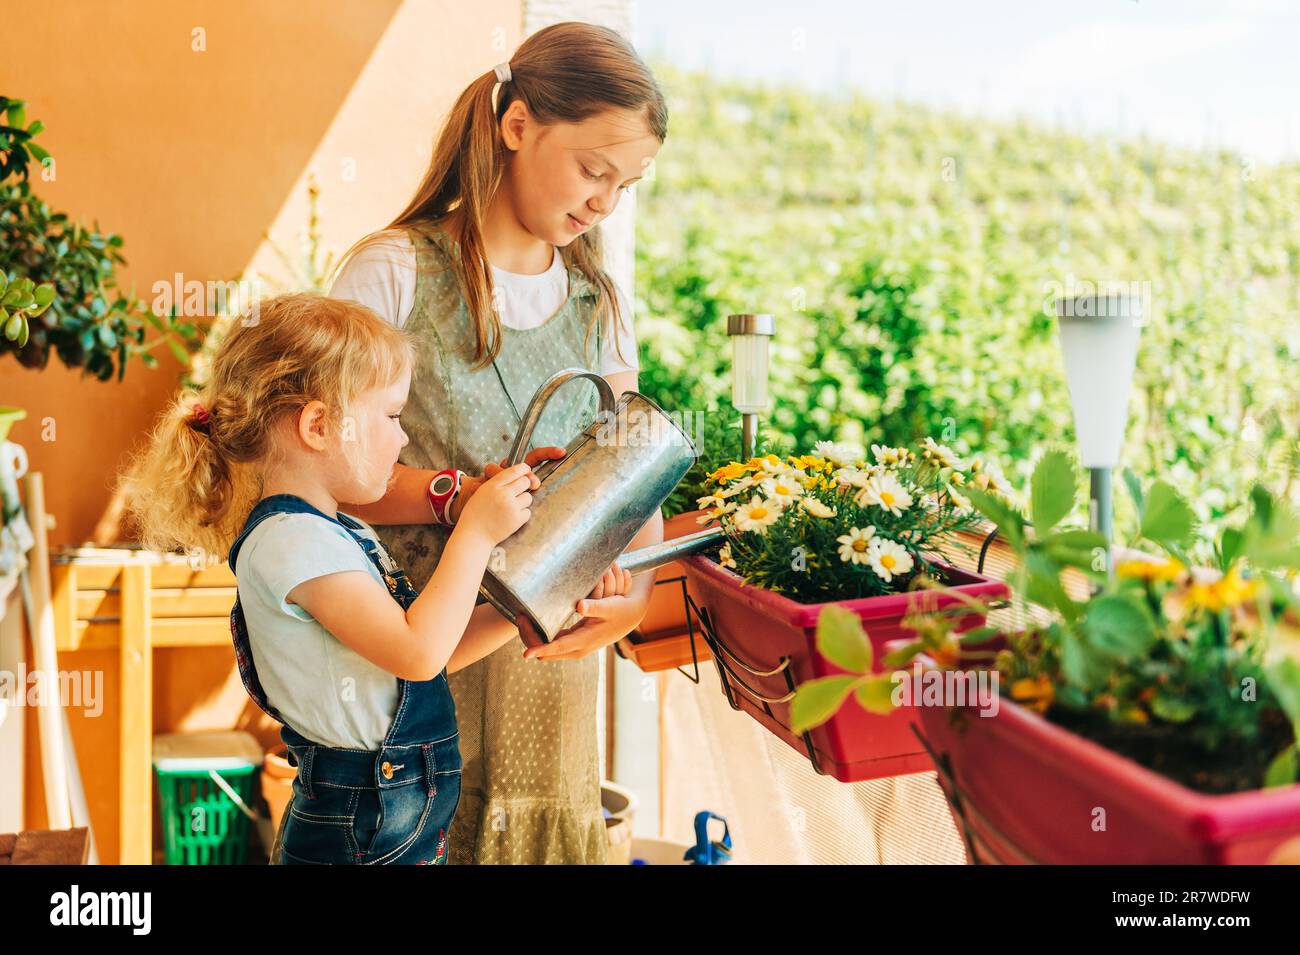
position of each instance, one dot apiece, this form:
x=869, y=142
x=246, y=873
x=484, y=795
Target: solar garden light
x=1099, y=339
x=750, y=337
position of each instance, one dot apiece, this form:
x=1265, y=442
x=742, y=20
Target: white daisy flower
x=940, y=454
x=773, y=464
x=886, y=492
x=757, y=515
x=710, y=500
x=816, y=508
x=889, y=456
x=888, y=558
x=989, y=478
x=837, y=453
x=855, y=546
x=716, y=513
x=853, y=477
x=743, y=484
x=783, y=488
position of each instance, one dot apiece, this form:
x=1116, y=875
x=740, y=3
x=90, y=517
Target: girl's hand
x=609, y=619
x=615, y=583
x=469, y=485
x=501, y=505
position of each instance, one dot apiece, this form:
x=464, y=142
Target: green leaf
x=181, y=354
x=979, y=635
x=1230, y=543
x=1284, y=768
x=1052, y=490
x=902, y=656
x=1042, y=585
x=1167, y=518
x=1134, y=486
x=841, y=639
x=1082, y=664
x=1117, y=626
x=1283, y=679
x=877, y=695
x=1010, y=524
x=818, y=700
x=1173, y=710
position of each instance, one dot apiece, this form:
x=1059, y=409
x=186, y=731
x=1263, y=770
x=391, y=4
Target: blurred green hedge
x=908, y=254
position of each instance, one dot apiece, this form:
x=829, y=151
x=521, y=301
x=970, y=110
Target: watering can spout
x=656, y=555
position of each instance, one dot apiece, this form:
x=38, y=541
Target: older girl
x=495, y=268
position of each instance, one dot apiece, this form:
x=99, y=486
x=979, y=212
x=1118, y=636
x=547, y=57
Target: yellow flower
x=1231, y=590
x=728, y=472
x=1033, y=693
x=1167, y=570
x=816, y=508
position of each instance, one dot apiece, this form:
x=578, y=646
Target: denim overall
x=355, y=806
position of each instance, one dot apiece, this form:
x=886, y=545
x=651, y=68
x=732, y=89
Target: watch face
x=442, y=485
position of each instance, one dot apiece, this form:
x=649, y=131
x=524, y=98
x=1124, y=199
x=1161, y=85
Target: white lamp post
x=750, y=337
x=1099, y=339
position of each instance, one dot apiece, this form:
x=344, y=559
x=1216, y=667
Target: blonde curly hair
x=193, y=485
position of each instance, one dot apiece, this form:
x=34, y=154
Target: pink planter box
x=766, y=647
x=1023, y=790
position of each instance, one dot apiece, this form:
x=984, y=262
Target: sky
x=1201, y=73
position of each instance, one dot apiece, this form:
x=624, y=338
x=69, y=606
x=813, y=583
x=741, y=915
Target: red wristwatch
x=442, y=491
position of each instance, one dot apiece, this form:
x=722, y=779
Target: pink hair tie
x=201, y=419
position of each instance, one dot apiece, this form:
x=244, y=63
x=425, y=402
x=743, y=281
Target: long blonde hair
x=194, y=484
x=565, y=73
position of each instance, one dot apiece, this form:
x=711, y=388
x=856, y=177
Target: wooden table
x=136, y=600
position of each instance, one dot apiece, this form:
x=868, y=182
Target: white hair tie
x=503, y=72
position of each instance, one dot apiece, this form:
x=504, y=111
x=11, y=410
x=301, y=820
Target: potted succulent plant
x=1155, y=722
x=58, y=292
x=809, y=532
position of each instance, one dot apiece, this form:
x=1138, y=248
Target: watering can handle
x=538, y=405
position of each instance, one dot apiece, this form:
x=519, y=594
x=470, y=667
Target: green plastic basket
x=202, y=824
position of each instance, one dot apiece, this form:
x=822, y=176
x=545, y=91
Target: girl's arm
x=418, y=644
x=407, y=498
x=487, y=631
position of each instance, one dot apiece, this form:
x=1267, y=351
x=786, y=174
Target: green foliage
x=840, y=639
x=1194, y=673
x=60, y=292
x=908, y=254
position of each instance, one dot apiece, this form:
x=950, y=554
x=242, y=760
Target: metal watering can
x=614, y=476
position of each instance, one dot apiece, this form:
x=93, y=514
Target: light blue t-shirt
x=324, y=689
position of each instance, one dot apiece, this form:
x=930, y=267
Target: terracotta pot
x=1023, y=790
x=667, y=612
x=277, y=783
x=764, y=646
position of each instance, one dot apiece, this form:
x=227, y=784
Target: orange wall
x=194, y=157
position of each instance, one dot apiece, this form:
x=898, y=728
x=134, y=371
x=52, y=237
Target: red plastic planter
x=1023, y=790
x=764, y=646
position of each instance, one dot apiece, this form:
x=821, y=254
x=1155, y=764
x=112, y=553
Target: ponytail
x=185, y=490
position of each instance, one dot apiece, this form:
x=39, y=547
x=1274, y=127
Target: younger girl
x=301, y=413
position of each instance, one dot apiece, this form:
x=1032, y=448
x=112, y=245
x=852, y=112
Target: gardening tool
x=613, y=477
x=707, y=851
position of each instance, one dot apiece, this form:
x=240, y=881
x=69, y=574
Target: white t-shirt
x=381, y=276
x=323, y=688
